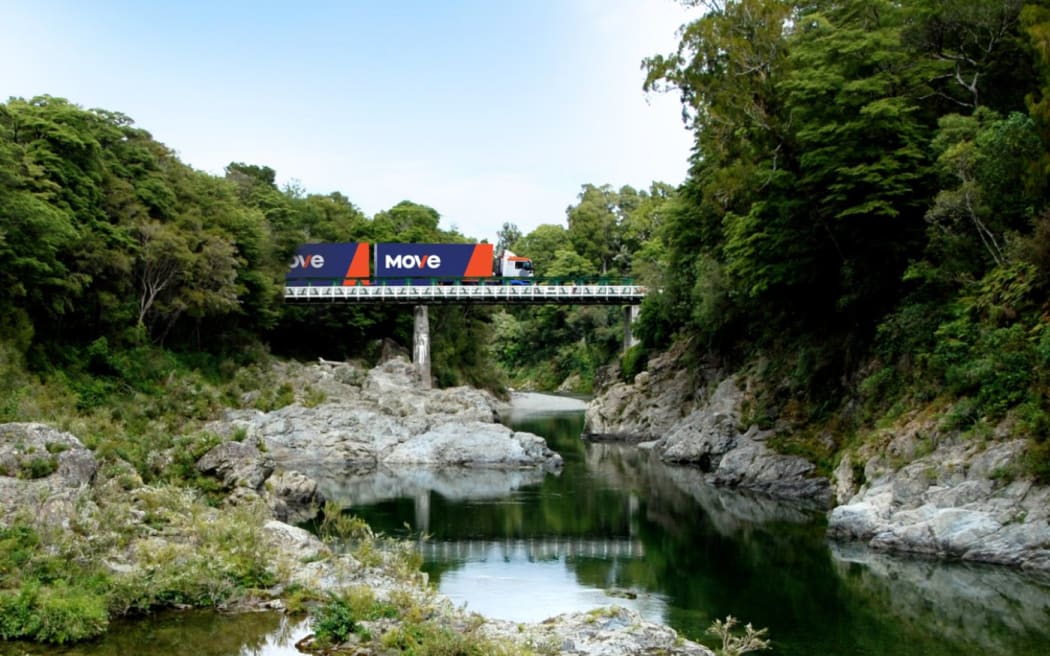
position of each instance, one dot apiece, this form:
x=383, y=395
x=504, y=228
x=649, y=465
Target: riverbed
x=615, y=526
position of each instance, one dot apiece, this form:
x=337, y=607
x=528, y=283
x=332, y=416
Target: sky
x=486, y=110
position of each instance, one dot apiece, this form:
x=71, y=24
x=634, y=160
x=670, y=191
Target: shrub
x=633, y=362
x=38, y=467
x=734, y=644
x=60, y=614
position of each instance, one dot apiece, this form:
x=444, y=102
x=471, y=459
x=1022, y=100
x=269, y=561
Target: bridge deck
x=477, y=294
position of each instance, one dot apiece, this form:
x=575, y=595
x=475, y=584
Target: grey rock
x=703, y=430
x=473, y=444
x=414, y=481
x=650, y=406
x=237, y=464
x=292, y=496
x=295, y=544
x=612, y=631
x=389, y=418
x=948, y=504
x=45, y=473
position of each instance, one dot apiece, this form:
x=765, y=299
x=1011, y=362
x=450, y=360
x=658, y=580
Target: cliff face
x=687, y=419
x=908, y=488
x=659, y=398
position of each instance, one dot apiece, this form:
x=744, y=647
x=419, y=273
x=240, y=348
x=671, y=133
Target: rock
x=708, y=433
x=44, y=473
x=237, y=464
x=292, y=496
x=612, y=631
x=711, y=438
x=473, y=444
x=248, y=473
x=648, y=408
x=387, y=483
x=293, y=543
x=843, y=485
x=930, y=506
x=389, y=417
x=754, y=466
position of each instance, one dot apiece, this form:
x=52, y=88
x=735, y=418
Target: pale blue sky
x=488, y=111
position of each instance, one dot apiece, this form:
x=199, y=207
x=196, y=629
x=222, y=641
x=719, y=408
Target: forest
x=863, y=232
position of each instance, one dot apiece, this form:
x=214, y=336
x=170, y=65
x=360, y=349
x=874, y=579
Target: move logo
x=408, y=261
x=307, y=261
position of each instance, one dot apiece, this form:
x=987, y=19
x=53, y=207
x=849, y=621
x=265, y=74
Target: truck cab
x=510, y=265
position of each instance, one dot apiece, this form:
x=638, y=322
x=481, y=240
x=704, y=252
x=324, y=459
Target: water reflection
x=418, y=483
x=685, y=553
x=201, y=633
x=973, y=608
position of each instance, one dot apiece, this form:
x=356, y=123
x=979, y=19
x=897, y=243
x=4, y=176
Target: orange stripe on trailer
x=480, y=264
x=357, y=273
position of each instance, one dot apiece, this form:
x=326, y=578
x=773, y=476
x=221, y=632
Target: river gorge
x=617, y=526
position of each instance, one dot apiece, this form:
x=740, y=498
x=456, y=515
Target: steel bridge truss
x=586, y=294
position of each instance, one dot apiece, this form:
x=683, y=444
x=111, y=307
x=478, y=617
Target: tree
x=541, y=244
x=406, y=222
x=507, y=236
x=990, y=161
x=163, y=254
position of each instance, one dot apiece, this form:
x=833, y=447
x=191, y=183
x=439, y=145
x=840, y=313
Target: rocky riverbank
x=914, y=488
x=943, y=495
x=687, y=419
x=148, y=545
x=383, y=417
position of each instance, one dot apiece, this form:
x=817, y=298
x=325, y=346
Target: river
x=618, y=527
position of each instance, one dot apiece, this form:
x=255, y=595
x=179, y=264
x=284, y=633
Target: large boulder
x=955, y=502
x=44, y=473
x=712, y=439
x=247, y=472
x=473, y=444
x=388, y=417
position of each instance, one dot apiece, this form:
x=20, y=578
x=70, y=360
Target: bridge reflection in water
x=531, y=549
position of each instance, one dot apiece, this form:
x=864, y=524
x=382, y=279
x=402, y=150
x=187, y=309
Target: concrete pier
x=421, y=345
x=630, y=315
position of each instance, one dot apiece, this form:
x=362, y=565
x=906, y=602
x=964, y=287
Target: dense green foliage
x=111, y=247
x=866, y=211
x=611, y=233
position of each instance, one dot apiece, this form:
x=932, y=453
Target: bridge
x=423, y=292
x=487, y=291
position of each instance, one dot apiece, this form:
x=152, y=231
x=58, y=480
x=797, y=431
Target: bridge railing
x=415, y=281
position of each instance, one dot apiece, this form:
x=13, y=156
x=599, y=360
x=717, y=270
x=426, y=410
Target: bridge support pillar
x=630, y=315
x=421, y=345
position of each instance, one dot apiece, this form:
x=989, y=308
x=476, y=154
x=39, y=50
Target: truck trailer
x=403, y=264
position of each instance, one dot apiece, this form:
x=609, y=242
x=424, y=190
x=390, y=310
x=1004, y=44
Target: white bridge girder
x=476, y=294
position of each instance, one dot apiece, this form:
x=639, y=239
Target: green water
x=617, y=527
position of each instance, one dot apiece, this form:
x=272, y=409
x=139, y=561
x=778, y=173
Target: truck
x=510, y=265
x=404, y=264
